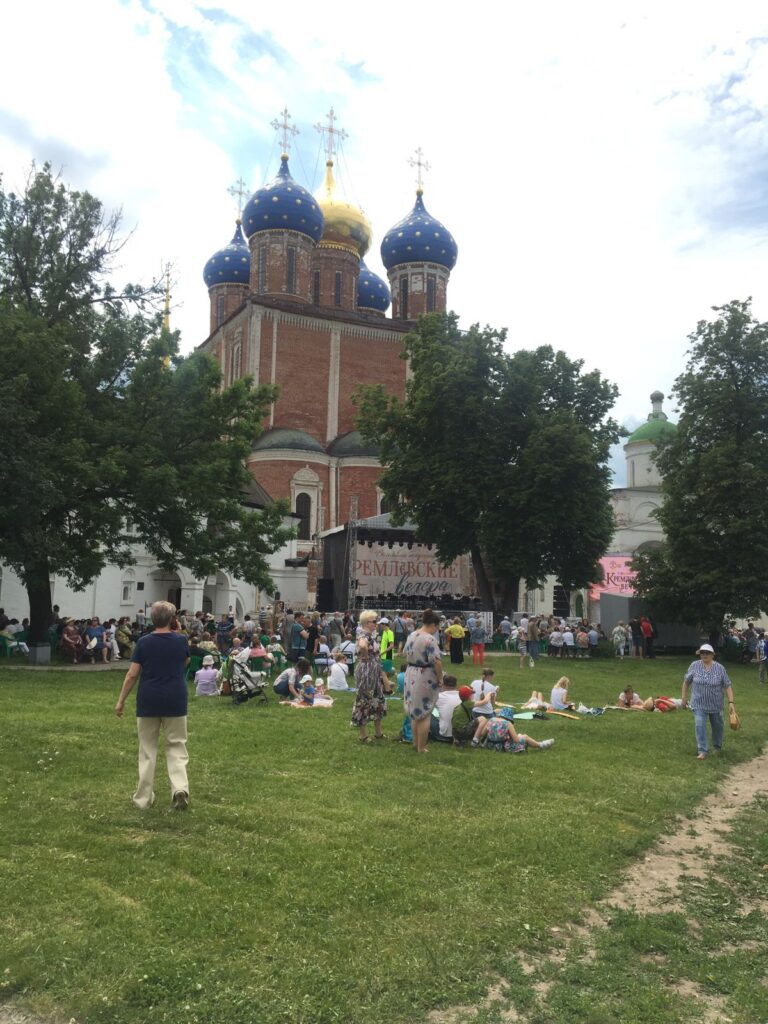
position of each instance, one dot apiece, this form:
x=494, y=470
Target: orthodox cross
x=287, y=131
x=238, y=191
x=422, y=165
x=332, y=134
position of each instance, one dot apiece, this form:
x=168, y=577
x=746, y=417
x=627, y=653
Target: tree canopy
x=715, y=479
x=110, y=437
x=500, y=455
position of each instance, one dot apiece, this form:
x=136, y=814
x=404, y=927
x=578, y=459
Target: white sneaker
x=546, y=744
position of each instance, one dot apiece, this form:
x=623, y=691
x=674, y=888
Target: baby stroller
x=244, y=683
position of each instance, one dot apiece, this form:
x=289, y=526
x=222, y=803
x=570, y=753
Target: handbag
x=733, y=719
x=91, y=643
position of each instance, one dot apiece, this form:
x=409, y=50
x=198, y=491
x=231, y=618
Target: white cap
x=208, y=659
x=384, y=621
x=707, y=648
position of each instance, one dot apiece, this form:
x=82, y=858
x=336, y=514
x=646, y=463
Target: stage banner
x=379, y=569
x=618, y=578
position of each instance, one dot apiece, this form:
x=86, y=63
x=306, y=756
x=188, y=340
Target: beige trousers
x=176, y=756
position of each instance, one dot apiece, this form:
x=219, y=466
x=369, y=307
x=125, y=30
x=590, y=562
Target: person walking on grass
x=159, y=662
x=478, y=637
x=709, y=681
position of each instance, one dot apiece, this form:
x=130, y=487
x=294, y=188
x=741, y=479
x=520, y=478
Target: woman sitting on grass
x=206, y=679
x=499, y=734
x=338, y=673
x=289, y=684
x=559, y=697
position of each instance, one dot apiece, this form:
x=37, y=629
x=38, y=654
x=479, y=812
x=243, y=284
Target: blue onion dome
x=419, y=238
x=372, y=292
x=283, y=204
x=230, y=265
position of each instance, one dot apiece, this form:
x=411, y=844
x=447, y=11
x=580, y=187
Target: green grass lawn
x=314, y=879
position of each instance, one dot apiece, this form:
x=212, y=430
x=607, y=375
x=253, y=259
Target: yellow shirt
x=455, y=631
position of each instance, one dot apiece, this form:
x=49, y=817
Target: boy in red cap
x=463, y=722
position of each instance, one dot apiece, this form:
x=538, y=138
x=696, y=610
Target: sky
x=603, y=166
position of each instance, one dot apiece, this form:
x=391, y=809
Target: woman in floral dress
x=423, y=677
x=370, y=702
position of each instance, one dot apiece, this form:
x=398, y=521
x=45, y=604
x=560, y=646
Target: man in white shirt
x=524, y=623
x=440, y=727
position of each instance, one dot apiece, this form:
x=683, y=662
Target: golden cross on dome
x=238, y=191
x=332, y=134
x=422, y=165
x=287, y=131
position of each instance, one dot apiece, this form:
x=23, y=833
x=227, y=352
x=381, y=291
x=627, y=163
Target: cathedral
x=292, y=303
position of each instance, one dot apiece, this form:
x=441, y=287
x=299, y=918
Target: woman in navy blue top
x=160, y=658
x=709, y=681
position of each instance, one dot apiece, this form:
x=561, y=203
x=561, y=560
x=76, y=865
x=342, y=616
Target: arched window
x=303, y=511
x=384, y=506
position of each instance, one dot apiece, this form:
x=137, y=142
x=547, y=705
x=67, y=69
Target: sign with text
x=414, y=572
x=618, y=578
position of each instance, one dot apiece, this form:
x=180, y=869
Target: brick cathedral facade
x=292, y=303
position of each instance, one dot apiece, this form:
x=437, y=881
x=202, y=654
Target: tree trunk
x=483, y=583
x=40, y=605
x=509, y=592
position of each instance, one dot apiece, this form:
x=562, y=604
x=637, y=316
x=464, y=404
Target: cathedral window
x=431, y=292
x=291, y=269
x=303, y=511
x=403, y=298
x=262, y=268
x=234, y=371
x=220, y=309
x=337, y=288
x=316, y=288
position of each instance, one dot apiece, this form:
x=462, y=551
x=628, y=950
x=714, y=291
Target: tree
x=502, y=456
x=714, y=472
x=110, y=437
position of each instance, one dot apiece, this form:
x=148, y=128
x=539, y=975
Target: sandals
x=365, y=739
x=382, y=737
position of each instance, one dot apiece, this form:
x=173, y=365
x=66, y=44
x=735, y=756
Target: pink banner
x=618, y=578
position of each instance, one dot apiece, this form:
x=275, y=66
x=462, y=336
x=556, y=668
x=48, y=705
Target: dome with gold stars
x=372, y=293
x=285, y=205
x=230, y=265
x=346, y=226
x=419, y=238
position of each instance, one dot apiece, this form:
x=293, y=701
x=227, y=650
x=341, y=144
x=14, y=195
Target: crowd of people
x=343, y=651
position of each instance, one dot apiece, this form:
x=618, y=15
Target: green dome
x=287, y=437
x=352, y=444
x=652, y=430
x=657, y=426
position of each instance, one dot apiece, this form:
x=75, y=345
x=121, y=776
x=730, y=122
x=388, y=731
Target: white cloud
x=579, y=152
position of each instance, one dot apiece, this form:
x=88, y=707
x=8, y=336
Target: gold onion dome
x=346, y=226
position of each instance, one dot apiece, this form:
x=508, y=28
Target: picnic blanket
x=320, y=702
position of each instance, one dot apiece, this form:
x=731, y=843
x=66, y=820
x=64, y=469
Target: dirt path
x=687, y=851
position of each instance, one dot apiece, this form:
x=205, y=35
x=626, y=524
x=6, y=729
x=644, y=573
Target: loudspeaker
x=325, y=594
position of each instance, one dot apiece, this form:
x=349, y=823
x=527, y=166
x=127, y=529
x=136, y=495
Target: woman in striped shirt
x=708, y=680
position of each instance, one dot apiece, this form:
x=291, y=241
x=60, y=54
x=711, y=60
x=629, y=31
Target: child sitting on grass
x=463, y=723
x=499, y=734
